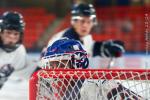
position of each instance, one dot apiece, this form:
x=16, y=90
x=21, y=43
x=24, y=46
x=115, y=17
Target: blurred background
x=117, y=19
x=126, y=20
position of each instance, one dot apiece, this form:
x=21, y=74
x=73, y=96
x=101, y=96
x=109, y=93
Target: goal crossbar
x=131, y=74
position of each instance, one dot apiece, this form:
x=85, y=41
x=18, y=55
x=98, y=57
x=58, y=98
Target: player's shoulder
x=57, y=36
x=21, y=49
x=71, y=34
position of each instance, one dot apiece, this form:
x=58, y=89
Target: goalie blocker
x=68, y=54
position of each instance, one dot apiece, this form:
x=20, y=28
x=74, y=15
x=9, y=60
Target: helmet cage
x=76, y=59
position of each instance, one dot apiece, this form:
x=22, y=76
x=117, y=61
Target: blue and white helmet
x=68, y=50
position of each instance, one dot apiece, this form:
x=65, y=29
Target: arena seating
x=37, y=21
x=134, y=40
x=35, y=26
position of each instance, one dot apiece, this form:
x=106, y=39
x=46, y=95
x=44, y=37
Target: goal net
x=90, y=84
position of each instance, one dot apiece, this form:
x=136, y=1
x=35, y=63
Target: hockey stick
x=111, y=62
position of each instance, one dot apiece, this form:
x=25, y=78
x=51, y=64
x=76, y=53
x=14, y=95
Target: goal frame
x=130, y=74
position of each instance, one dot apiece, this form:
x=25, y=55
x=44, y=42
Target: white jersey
x=16, y=87
x=16, y=58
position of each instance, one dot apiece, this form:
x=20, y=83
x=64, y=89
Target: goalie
x=69, y=54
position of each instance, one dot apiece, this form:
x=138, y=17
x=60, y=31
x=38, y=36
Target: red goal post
x=43, y=83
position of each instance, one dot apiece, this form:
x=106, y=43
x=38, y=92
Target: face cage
x=48, y=61
x=67, y=60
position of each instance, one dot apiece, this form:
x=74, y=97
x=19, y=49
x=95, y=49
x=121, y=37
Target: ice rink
x=18, y=90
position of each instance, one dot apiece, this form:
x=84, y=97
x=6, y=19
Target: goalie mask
x=65, y=53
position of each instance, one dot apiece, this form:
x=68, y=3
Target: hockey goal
x=90, y=84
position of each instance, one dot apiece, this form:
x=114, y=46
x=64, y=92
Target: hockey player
x=69, y=54
x=15, y=68
x=65, y=50
x=83, y=19
x=13, y=53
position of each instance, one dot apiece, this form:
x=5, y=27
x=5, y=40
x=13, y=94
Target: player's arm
x=20, y=60
x=23, y=66
x=5, y=72
x=110, y=48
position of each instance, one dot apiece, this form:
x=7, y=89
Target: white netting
x=91, y=85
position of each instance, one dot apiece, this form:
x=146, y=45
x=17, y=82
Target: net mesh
x=90, y=84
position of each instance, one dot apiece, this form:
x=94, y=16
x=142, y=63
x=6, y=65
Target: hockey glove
x=112, y=48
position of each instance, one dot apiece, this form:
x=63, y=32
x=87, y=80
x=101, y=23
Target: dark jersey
x=71, y=34
x=111, y=48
